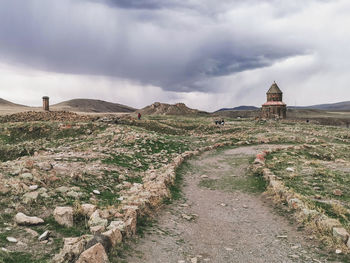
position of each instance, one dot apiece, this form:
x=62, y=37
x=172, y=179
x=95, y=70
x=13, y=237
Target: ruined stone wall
x=269, y=112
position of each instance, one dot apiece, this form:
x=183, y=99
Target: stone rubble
x=64, y=216
x=22, y=219
x=326, y=225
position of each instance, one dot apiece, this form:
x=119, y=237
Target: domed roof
x=274, y=89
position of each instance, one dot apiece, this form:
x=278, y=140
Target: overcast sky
x=208, y=54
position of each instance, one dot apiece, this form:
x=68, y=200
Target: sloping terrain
x=90, y=105
x=339, y=106
x=6, y=103
x=158, y=108
x=7, y=107
x=239, y=108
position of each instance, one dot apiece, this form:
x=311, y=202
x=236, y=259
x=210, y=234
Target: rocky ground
x=74, y=186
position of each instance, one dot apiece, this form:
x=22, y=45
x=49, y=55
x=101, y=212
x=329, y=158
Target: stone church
x=274, y=107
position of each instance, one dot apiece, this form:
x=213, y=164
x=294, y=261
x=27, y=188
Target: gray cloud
x=165, y=43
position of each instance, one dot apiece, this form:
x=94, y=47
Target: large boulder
x=95, y=254
x=22, y=219
x=64, y=216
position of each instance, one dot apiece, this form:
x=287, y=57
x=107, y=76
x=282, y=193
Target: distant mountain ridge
x=339, y=106
x=91, y=105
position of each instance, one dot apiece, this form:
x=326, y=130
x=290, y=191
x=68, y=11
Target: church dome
x=274, y=89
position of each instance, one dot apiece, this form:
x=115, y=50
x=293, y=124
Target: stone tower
x=274, y=107
x=46, y=106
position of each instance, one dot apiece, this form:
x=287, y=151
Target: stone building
x=274, y=107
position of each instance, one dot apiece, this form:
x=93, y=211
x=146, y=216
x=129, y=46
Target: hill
x=6, y=103
x=158, y=108
x=239, y=108
x=90, y=105
x=339, y=106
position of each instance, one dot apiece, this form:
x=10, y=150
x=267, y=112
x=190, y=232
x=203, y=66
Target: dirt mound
x=158, y=108
x=44, y=116
x=6, y=103
x=89, y=105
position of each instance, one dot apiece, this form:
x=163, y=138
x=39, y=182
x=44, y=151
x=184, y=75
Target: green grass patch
x=249, y=184
x=20, y=257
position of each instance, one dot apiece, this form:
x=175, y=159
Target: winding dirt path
x=222, y=218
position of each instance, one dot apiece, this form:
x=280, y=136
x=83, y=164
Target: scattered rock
x=44, y=236
x=96, y=192
x=194, y=260
x=22, y=219
x=337, y=192
x=340, y=233
x=33, y=187
x=64, y=216
x=11, y=239
x=95, y=254
x=30, y=197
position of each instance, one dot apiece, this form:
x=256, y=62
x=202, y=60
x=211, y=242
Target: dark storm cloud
x=150, y=42
x=138, y=4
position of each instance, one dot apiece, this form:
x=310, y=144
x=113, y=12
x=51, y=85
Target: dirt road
x=222, y=217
